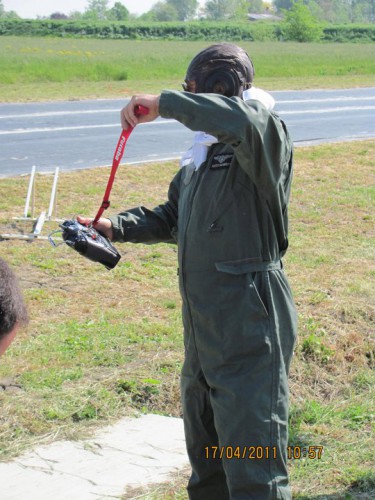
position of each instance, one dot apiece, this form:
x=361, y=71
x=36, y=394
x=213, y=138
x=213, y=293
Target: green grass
x=102, y=344
x=55, y=68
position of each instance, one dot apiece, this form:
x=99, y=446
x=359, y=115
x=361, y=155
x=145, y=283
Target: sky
x=44, y=8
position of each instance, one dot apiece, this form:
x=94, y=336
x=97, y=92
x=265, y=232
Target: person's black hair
x=12, y=306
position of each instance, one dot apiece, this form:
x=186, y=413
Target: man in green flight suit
x=227, y=211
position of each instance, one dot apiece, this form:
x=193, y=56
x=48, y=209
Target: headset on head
x=228, y=74
x=228, y=82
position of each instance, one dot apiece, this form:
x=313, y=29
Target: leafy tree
x=11, y=14
x=186, y=9
x=216, y=9
x=76, y=15
x=226, y=9
x=58, y=15
x=328, y=10
x=255, y=6
x=162, y=11
x=336, y=11
x=118, y=12
x=361, y=11
x=283, y=5
x=96, y=10
x=300, y=25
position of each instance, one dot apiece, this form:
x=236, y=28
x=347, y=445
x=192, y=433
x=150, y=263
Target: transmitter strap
x=119, y=151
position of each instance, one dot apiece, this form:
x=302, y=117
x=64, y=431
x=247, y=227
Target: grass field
x=54, y=68
x=102, y=344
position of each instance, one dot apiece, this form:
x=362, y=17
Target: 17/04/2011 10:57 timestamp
x=261, y=452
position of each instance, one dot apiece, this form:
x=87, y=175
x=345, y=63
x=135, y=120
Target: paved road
x=82, y=134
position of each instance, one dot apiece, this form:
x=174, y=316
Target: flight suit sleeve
x=142, y=225
x=260, y=141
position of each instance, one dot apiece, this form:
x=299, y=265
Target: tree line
x=300, y=30
x=331, y=11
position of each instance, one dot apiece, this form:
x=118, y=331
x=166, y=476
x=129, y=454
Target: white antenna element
x=30, y=191
x=29, y=215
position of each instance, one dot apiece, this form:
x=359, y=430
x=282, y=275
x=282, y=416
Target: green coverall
x=229, y=218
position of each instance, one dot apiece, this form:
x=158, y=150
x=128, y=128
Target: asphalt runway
x=83, y=134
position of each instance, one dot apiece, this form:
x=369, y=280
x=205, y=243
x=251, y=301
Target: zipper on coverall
x=183, y=251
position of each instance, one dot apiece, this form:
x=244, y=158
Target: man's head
x=13, y=311
x=223, y=68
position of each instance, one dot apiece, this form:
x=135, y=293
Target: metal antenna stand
x=29, y=215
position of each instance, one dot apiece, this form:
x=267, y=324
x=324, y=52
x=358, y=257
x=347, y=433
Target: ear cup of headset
x=227, y=68
x=222, y=81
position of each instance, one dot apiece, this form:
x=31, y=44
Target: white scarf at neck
x=197, y=154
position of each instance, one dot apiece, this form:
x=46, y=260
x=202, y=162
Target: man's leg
x=208, y=481
x=251, y=420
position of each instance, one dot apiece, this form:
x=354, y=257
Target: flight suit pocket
x=255, y=292
x=243, y=317
x=251, y=278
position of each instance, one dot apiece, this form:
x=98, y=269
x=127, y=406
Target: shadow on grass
x=362, y=488
x=360, y=485
x=344, y=495
x=175, y=489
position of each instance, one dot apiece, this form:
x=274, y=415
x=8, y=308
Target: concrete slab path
x=130, y=454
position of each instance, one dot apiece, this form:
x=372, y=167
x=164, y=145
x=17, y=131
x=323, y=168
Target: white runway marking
x=327, y=110
x=76, y=127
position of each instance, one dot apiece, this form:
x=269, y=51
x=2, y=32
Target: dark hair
x=12, y=306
